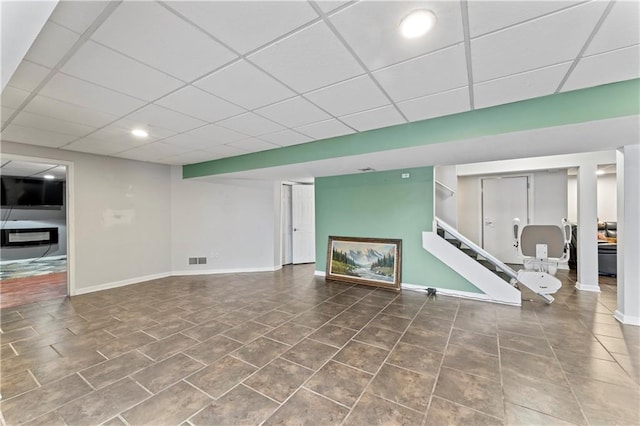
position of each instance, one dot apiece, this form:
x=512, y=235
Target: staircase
x=472, y=254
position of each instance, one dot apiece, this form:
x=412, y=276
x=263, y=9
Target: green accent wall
x=383, y=205
x=594, y=103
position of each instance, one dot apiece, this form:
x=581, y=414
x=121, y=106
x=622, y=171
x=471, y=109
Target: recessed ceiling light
x=417, y=23
x=139, y=133
x=49, y=177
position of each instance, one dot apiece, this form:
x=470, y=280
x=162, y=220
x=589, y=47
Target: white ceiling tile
x=200, y=104
x=372, y=29
x=29, y=135
x=6, y=113
x=294, y=112
x=187, y=141
x=152, y=152
x=155, y=115
x=191, y=157
x=433, y=73
x=13, y=97
x=618, y=65
x=621, y=28
x=105, y=67
x=77, y=15
x=51, y=44
x=251, y=124
x=486, y=16
x=518, y=87
x=246, y=25
x=534, y=44
x=24, y=168
x=97, y=146
x=325, y=129
x=41, y=122
x=122, y=132
x=374, y=119
x=216, y=135
x=286, y=138
x=357, y=94
x=252, y=145
x=222, y=151
x=440, y=104
x=309, y=59
x=81, y=93
x=245, y=85
x=150, y=33
x=28, y=76
x=329, y=5
x=64, y=111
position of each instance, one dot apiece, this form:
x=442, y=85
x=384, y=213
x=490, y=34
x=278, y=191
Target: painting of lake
x=364, y=260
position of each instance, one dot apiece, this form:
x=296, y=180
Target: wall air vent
x=193, y=261
x=202, y=260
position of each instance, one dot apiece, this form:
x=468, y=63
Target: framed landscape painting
x=369, y=261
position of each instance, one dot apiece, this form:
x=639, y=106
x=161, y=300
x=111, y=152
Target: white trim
x=115, y=284
x=226, y=271
x=320, y=273
x=626, y=319
x=585, y=287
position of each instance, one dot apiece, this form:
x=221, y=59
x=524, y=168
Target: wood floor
x=22, y=291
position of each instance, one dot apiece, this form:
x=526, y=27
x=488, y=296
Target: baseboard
x=115, y=284
x=457, y=293
x=443, y=291
x=626, y=319
x=226, y=271
x=585, y=287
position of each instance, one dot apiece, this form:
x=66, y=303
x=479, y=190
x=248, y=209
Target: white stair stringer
x=494, y=287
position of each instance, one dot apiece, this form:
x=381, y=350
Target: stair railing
x=437, y=222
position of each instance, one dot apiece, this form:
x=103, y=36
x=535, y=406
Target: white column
x=587, y=228
x=628, y=178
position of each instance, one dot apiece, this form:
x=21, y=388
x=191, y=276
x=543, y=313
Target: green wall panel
x=594, y=103
x=382, y=204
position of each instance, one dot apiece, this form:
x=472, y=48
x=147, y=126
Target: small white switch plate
x=405, y=176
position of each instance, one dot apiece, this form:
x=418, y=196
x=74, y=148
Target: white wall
x=122, y=216
x=607, y=198
x=232, y=223
x=549, y=201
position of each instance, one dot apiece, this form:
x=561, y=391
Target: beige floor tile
x=416, y=358
x=372, y=410
x=241, y=406
x=279, y=380
x=475, y=392
x=308, y=408
x=443, y=412
x=221, y=376
x=171, y=406
x=310, y=353
x=403, y=387
x=114, y=369
x=261, y=351
x=163, y=374
x=212, y=349
x=362, y=356
x=339, y=382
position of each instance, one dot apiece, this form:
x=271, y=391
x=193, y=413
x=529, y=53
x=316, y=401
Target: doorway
x=503, y=199
x=33, y=263
x=298, y=224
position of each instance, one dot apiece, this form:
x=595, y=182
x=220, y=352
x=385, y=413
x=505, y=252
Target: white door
x=287, y=229
x=503, y=199
x=303, y=223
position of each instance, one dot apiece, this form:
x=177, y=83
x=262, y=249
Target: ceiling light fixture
x=417, y=23
x=139, y=133
x=600, y=172
x=49, y=177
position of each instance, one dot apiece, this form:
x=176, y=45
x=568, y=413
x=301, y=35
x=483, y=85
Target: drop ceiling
x=213, y=79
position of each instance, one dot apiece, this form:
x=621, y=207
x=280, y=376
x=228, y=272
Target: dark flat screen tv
x=31, y=192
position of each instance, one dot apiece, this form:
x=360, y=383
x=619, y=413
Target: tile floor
x=288, y=348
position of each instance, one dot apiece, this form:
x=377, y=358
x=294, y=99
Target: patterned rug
x=43, y=266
